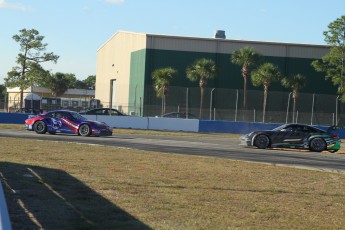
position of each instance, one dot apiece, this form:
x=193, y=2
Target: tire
x=84, y=130
x=40, y=127
x=333, y=151
x=261, y=141
x=317, y=145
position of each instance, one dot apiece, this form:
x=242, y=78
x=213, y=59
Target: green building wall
x=144, y=62
x=137, y=81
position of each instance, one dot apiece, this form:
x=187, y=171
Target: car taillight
x=334, y=136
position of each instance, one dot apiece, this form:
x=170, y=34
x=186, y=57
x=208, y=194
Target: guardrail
x=5, y=223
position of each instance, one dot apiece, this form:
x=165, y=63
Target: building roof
x=218, y=45
x=213, y=39
x=86, y=92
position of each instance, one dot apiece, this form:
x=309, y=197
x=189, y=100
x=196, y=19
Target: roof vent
x=219, y=34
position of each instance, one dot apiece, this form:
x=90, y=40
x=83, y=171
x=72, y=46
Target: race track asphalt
x=208, y=146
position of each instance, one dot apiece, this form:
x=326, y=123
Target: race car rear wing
x=333, y=128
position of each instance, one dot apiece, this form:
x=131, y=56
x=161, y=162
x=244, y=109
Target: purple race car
x=65, y=121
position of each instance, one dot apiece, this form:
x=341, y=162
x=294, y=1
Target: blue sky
x=75, y=29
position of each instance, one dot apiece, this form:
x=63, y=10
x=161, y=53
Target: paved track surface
x=210, y=146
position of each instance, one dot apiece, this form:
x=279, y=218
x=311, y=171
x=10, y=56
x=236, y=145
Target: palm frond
x=202, y=68
x=161, y=79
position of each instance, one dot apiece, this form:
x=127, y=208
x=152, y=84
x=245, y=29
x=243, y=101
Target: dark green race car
x=296, y=136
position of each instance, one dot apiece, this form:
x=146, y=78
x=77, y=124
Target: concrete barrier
x=152, y=123
x=174, y=124
x=5, y=223
x=126, y=122
x=13, y=118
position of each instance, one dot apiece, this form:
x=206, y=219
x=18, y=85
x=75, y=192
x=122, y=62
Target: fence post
x=336, y=110
x=211, y=103
x=5, y=102
x=140, y=107
x=287, y=109
x=312, y=110
x=162, y=106
x=254, y=115
x=187, y=98
x=236, y=105
x=135, y=100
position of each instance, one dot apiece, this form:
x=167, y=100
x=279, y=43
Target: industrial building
x=126, y=61
x=41, y=99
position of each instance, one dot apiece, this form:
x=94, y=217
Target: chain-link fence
x=227, y=104
x=218, y=104
x=48, y=104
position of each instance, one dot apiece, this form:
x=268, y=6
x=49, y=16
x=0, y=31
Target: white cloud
x=13, y=6
x=113, y=1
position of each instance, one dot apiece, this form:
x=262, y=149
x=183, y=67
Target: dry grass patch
x=12, y=126
x=74, y=186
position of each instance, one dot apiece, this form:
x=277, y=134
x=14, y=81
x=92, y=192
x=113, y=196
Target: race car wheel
x=40, y=127
x=317, y=145
x=84, y=130
x=262, y=141
x=333, y=150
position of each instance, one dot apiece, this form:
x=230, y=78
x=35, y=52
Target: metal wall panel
x=180, y=44
x=113, y=62
x=228, y=46
x=308, y=51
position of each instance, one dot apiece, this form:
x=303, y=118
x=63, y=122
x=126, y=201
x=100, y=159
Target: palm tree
x=201, y=70
x=265, y=75
x=295, y=83
x=245, y=57
x=161, y=80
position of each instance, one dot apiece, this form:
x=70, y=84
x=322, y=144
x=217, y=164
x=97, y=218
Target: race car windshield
x=78, y=116
x=279, y=128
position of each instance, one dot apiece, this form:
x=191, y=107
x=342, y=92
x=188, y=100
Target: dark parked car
x=179, y=115
x=294, y=136
x=103, y=111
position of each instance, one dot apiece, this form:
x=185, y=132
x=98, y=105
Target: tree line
x=264, y=74
x=29, y=71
